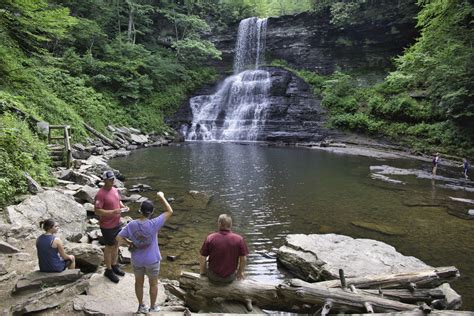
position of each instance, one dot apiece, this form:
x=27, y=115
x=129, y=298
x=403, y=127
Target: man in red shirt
x=108, y=207
x=226, y=253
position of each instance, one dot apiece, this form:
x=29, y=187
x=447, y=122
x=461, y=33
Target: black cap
x=147, y=207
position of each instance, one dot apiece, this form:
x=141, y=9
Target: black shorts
x=109, y=235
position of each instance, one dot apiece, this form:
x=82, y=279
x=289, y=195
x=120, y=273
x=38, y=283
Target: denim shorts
x=151, y=271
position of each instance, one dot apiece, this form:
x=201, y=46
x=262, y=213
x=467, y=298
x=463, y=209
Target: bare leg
x=114, y=254
x=153, y=290
x=72, y=265
x=108, y=256
x=139, y=280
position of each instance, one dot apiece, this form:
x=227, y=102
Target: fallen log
x=292, y=296
x=198, y=293
x=422, y=279
x=406, y=296
x=101, y=136
x=297, y=291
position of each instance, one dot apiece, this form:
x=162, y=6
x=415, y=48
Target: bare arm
x=240, y=271
x=169, y=211
x=102, y=212
x=123, y=241
x=57, y=243
x=202, y=265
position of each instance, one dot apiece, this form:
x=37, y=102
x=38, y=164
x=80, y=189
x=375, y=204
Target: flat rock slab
x=319, y=257
x=49, y=298
x=107, y=298
x=377, y=176
x=468, y=201
x=37, y=279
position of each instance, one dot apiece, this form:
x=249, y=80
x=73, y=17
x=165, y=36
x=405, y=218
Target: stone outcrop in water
x=319, y=257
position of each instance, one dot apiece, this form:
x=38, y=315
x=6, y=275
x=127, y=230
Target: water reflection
x=272, y=192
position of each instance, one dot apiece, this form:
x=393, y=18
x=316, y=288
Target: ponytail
x=47, y=224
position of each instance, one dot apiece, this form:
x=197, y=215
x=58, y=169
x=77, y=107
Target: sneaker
x=111, y=275
x=155, y=309
x=142, y=308
x=117, y=270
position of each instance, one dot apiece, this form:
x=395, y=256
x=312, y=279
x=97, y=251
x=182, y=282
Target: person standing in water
x=435, y=163
x=465, y=165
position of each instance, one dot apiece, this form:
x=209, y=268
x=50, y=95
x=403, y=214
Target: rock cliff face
x=294, y=114
x=310, y=41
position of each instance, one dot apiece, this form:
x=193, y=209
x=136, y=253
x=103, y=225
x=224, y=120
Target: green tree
x=35, y=25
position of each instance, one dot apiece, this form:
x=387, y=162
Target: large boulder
x=78, y=177
x=69, y=214
x=86, y=194
x=319, y=257
x=88, y=256
x=33, y=186
x=7, y=248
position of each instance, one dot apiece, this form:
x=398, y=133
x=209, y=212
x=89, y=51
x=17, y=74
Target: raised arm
x=168, y=211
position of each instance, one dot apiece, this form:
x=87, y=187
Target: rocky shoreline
x=70, y=203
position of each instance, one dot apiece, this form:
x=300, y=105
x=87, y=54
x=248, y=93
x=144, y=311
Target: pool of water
x=271, y=192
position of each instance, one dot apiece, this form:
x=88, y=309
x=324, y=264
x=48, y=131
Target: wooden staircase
x=59, y=144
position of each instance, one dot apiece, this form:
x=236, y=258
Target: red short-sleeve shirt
x=224, y=249
x=108, y=200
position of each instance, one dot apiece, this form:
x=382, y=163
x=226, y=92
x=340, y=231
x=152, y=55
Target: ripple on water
x=273, y=192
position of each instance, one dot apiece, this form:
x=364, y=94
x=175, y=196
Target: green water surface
x=271, y=192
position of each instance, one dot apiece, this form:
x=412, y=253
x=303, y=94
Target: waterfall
x=250, y=45
x=237, y=110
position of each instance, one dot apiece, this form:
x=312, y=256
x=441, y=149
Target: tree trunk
x=131, y=25
x=302, y=297
x=294, y=296
x=101, y=136
x=422, y=279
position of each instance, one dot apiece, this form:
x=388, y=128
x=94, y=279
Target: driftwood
x=198, y=292
x=324, y=297
x=294, y=296
x=102, y=136
x=421, y=279
x=407, y=296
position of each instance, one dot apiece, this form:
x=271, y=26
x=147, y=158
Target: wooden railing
x=66, y=129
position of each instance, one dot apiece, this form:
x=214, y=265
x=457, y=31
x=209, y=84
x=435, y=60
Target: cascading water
x=237, y=110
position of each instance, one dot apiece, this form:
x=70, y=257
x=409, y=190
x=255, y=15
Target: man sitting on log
x=226, y=253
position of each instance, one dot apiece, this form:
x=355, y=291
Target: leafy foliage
x=20, y=151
